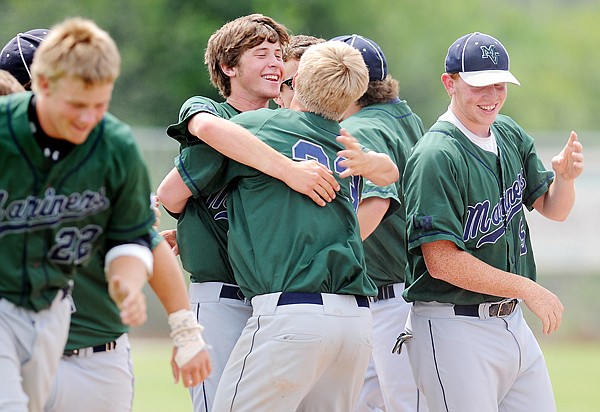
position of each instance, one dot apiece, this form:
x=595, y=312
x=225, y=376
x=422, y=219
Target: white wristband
x=130, y=249
x=186, y=334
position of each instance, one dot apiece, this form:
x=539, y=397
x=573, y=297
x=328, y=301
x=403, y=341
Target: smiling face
x=68, y=109
x=475, y=107
x=257, y=76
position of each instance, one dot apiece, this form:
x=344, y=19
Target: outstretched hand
x=379, y=168
x=568, y=164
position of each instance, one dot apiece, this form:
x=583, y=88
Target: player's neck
x=244, y=104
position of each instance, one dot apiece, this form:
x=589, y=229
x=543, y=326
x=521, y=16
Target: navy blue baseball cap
x=17, y=55
x=371, y=53
x=480, y=60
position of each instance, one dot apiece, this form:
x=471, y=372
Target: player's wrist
x=186, y=334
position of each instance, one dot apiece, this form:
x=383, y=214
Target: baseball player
x=384, y=123
x=291, y=59
x=470, y=263
x=244, y=62
x=68, y=199
x=307, y=344
x=103, y=372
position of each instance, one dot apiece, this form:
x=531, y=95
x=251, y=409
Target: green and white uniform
x=463, y=357
x=315, y=335
x=391, y=128
x=56, y=219
x=202, y=241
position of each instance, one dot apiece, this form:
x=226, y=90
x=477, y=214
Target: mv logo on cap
x=489, y=52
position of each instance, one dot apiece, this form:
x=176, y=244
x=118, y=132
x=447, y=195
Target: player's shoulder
x=116, y=134
x=507, y=126
x=262, y=116
x=199, y=104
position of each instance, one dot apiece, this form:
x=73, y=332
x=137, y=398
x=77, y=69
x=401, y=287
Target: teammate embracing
x=307, y=344
x=244, y=62
x=470, y=259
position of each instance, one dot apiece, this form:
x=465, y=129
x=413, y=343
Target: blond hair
x=331, y=76
x=77, y=48
x=9, y=84
x=226, y=45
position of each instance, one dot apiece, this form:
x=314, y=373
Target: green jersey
x=56, y=218
x=459, y=192
x=279, y=240
x=202, y=226
x=391, y=128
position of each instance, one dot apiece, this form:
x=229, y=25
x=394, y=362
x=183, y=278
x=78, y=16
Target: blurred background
x=553, y=45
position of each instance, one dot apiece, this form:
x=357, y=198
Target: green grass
x=155, y=390
x=574, y=369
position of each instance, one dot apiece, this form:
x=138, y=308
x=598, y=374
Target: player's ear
x=448, y=83
x=229, y=71
x=42, y=83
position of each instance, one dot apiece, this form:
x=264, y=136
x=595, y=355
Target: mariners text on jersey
x=32, y=212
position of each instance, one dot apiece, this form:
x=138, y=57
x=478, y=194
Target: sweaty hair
x=226, y=45
x=9, y=84
x=330, y=77
x=77, y=48
x=380, y=91
x=298, y=45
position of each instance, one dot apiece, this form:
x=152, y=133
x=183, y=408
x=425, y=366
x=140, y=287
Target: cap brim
x=488, y=77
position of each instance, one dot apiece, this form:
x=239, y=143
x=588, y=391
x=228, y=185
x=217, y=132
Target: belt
x=496, y=310
x=293, y=298
x=383, y=293
x=107, y=347
x=231, y=292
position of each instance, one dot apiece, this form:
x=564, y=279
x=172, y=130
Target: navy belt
x=294, y=298
x=383, y=293
x=496, y=310
x=95, y=349
x=231, y=292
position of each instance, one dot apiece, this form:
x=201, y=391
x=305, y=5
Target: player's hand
x=314, y=180
x=170, y=236
x=195, y=371
x=157, y=212
x=546, y=306
x=568, y=164
x=130, y=299
x=377, y=167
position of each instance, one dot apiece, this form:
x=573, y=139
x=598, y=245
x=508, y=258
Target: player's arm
x=309, y=178
x=127, y=267
x=445, y=261
x=370, y=213
x=558, y=201
x=173, y=192
x=190, y=360
x=379, y=168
